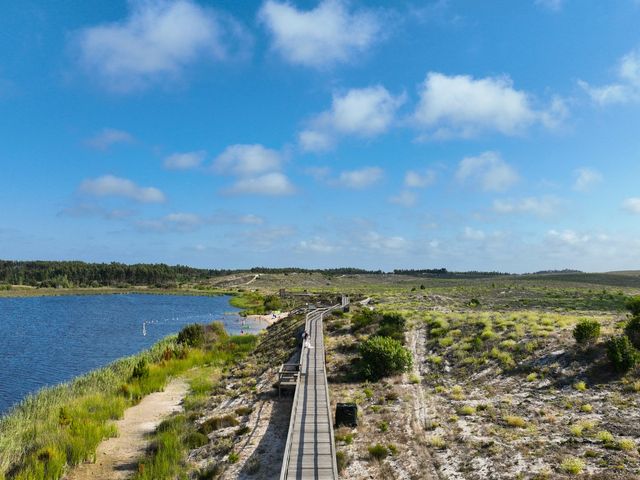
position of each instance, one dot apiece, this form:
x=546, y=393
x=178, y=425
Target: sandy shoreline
x=269, y=319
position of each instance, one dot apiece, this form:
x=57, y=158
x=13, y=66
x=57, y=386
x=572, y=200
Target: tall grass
x=63, y=425
x=176, y=435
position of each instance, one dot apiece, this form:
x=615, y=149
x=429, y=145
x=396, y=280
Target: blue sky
x=409, y=134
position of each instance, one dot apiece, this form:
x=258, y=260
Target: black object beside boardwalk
x=310, y=452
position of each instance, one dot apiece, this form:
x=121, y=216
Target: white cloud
x=359, y=179
x=317, y=245
x=250, y=219
x=184, y=219
x=488, y=171
x=109, y=137
x=568, y=237
x=553, y=5
x=415, y=179
x=245, y=160
x=112, y=186
x=461, y=106
x=156, y=42
x=585, y=178
x=405, y=198
x=540, y=207
x=473, y=234
x=632, y=205
x=376, y=241
x=274, y=183
x=315, y=141
x=364, y=112
x=626, y=90
x=319, y=38
x=184, y=161
x=79, y=210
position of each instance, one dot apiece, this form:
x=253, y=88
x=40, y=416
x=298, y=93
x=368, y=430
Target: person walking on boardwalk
x=305, y=340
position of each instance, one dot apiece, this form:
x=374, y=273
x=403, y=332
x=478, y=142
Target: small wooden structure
x=288, y=377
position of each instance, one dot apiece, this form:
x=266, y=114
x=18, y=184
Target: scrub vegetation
x=61, y=426
x=492, y=376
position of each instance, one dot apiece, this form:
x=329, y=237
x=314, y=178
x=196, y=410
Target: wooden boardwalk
x=310, y=453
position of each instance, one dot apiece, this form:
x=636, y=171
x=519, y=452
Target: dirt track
x=116, y=458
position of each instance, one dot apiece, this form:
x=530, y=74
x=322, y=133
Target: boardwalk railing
x=310, y=451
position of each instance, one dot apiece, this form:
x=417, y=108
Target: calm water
x=48, y=340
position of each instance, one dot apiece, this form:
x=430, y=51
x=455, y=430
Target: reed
x=63, y=425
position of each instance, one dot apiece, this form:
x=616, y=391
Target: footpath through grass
x=63, y=425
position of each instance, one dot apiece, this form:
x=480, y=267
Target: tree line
x=80, y=274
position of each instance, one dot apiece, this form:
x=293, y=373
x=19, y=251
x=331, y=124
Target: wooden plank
x=310, y=450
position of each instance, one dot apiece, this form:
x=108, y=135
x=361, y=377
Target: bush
x=632, y=330
x=191, y=335
x=362, y=320
x=141, y=369
x=378, y=452
x=621, y=353
x=586, y=332
x=633, y=305
x=392, y=325
x=383, y=356
x=341, y=460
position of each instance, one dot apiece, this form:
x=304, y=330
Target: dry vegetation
x=498, y=390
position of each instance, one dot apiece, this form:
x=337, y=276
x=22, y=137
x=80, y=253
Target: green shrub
x=378, y=452
x=191, y=335
x=572, y=465
x=383, y=356
x=141, y=369
x=586, y=332
x=621, y=353
x=392, y=325
x=362, y=319
x=195, y=440
x=342, y=460
x=633, y=305
x=632, y=330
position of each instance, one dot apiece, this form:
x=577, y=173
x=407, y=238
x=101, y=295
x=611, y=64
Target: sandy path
x=116, y=458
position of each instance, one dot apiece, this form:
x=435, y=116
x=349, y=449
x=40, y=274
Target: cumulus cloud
x=361, y=178
x=405, y=198
x=586, y=178
x=156, y=42
x=112, y=186
x=538, y=206
x=414, y=179
x=488, y=171
x=273, y=184
x=257, y=169
x=365, y=112
x=324, y=36
x=247, y=160
x=184, y=161
x=108, y=137
x=632, y=205
x=625, y=90
x=462, y=106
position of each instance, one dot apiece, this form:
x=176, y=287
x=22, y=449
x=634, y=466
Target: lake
x=48, y=340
